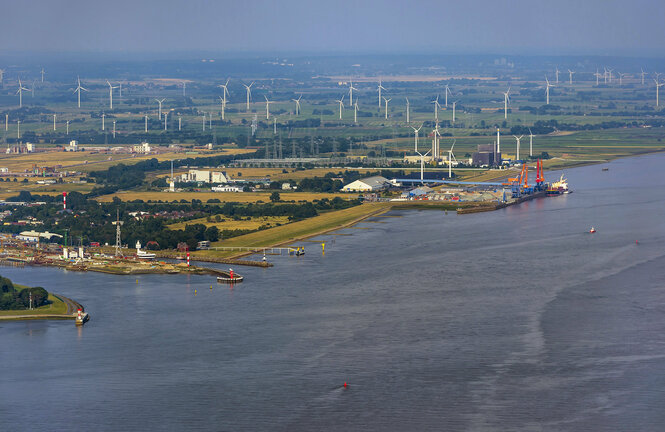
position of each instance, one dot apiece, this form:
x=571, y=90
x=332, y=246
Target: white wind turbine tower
x=518, y=138
x=103, y=121
x=547, y=91
x=78, y=90
x=351, y=89
x=2, y=77
x=19, y=92
x=556, y=73
x=160, y=107
x=225, y=92
x=111, y=94
x=506, y=100
x=642, y=73
x=605, y=74
x=415, y=135
x=42, y=72
x=451, y=156
x=597, y=75
x=297, y=101
x=422, y=165
x=341, y=106
x=530, y=143
x=355, y=111
x=379, y=88
x=447, y=92
x=570, y=76
x=658, y=86
x=454, y=105
x=387, y=100
x=146, y=123
x=268, y=102
x=54, y=122
x=436, y=108
x=609, y=74
x=221, y=106
x=184, y=85
x=621, y=75
x=407, y=111
x=248, y=89
x=435, y=143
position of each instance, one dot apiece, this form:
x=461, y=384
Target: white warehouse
x=369, y=184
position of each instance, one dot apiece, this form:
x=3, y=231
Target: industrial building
x=487, y=154
x=369, y=184
x=205, y=176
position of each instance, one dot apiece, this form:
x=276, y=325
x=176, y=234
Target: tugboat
x=81, y=317
x=592, y=230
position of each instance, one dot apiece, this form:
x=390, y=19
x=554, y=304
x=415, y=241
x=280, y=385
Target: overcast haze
x=604, y=27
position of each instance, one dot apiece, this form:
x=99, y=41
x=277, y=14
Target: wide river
x=518, y=319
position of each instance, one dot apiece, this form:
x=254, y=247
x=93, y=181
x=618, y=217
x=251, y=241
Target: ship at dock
x=558, y=187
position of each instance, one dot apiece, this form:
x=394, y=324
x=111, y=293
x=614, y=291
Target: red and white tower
x=64, y=200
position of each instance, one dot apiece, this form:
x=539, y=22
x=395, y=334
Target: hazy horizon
x=298, y=27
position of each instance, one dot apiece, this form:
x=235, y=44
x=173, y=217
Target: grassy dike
x=55, y=308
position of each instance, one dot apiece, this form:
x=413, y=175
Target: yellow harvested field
x=241, y=197
x=230, y=224
x=93, y=160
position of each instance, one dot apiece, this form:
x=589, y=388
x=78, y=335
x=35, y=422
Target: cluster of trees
x=13, y=299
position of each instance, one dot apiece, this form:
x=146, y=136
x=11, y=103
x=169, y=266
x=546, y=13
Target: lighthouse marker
x=187, y=259
x=64, y=200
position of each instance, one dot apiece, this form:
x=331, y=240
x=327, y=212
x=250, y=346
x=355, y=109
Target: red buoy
x=344, y=384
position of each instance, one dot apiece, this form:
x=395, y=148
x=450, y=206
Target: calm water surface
x=511, y=320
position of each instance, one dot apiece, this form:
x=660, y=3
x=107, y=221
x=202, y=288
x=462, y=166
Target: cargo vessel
x=558, y=187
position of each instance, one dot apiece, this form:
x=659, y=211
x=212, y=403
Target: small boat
x=606, y=169
x=592, y=230
x=297, y=251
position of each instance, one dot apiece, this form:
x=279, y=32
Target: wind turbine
x=407, y=110
x=379, y=88
x=530, y=143
x=351, y=89
x=355, y=111
x=43, y=73
x=642, y=73
x=454, y=105
x=297, y=101
x=18, y=129
x=518, y=138
x=248, y=89
x=184, y=85
x=597, y=75
x=436, y=108
x=78, y=90
x=658, y=86
x=447, y=92
x=103, y=121
x=341, y=107
x=621, y=75
x=2, y=78
x=387, y=100
x=415, y=134
x=556, y=73
x=111, y=93
x=451, y=156
x=547, y=90
x=570, y=76
x=224, y=93
x=160, y=107
x=422, y=165
x=54, y=122
x=506, y=100
x=146, y=123
x=20, y=91
x=268, y=102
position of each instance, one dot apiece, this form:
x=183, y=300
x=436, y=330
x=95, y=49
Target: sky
x=554, y=27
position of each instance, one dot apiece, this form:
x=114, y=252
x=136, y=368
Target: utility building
x=486, y=155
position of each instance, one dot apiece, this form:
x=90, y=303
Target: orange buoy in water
x=344, y=384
